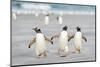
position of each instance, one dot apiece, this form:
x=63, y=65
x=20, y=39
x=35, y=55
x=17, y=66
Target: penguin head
x=37, y=30
x=65, y=28
x=78, y=28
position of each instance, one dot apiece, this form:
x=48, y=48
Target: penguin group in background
x=63, y=42
x=40, y=46
x=78, y=36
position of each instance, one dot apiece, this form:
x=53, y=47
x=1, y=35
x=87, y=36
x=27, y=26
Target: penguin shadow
x=56, y=54
x=76, y=52
x=59, y=55
x=72, y=52
x=52, y=54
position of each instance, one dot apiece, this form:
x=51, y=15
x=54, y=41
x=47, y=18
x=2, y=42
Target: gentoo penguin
x=63, y=42
x=59, y=19
x=47, y=19
x=78, y=36
x=40, y=43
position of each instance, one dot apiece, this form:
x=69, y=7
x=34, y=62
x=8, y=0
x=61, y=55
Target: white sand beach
x=22, y=34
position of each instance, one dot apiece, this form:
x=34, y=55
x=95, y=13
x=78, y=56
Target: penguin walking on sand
x=78, y=36
x=59, y=19
x=47, y=19
x=40, y=46
x=63, y=42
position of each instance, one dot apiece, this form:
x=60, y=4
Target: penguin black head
x=78, y=28
x=65, y=28
x=38, y=31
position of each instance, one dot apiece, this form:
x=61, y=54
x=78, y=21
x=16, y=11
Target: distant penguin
x=59, y=19
x=78, y=39
x=14, y=16
x=40, y=47
x=36, y=14
x=63, y=42
x=47, y=19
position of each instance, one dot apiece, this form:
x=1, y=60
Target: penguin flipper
x=33, y=41
x=84, y=38
x=47, y=39
x=56, y=36
x=70, y=37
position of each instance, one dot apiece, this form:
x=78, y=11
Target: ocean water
x=19, y=6
x=22, y=34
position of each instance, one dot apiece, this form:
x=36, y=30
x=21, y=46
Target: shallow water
x=22, y=34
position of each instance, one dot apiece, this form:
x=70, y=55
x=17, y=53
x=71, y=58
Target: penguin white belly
x=63, y=41
x=40, y=43
x=78, y=40
x=46, y=20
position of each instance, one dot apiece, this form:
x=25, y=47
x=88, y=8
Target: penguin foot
x=78, y=51
x=62, y=53
x=63, y=56
x=45, y=54
x=42, y=55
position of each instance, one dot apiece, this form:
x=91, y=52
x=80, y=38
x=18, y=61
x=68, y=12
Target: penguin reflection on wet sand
x=63, y=42
x=40, y=46
x=78, y=36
